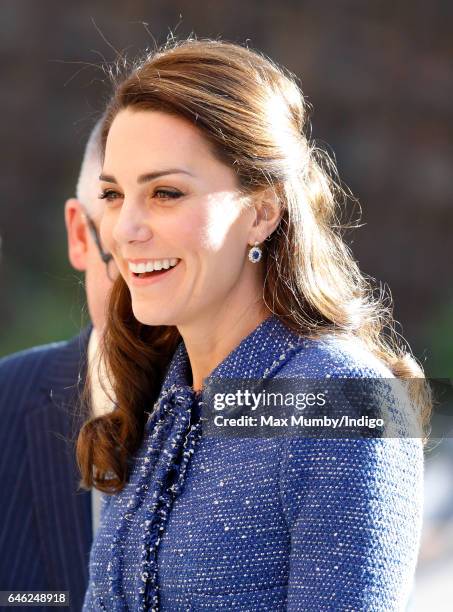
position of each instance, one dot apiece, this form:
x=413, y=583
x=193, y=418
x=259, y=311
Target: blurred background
x=379, y=76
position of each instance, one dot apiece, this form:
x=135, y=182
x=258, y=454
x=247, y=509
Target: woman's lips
x=149, y=278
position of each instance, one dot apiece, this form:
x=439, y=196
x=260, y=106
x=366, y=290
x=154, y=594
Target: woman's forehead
x=154, y=129
x=145, y=142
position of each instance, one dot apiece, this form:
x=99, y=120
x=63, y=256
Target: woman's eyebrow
x=149, y=176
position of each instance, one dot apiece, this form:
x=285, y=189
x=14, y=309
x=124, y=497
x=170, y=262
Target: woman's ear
x=76, y=230
x=268, y=213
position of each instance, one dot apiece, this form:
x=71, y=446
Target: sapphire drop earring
x=255, y=253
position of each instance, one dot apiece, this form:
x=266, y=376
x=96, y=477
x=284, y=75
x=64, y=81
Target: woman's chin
x=149, y=318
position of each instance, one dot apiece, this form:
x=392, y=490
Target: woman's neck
x=209, y=343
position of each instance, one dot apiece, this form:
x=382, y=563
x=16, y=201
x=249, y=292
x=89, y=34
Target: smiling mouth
x=154, y=273
x=149, y=274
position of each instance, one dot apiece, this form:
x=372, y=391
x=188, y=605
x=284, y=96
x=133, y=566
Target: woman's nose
x=132, y=224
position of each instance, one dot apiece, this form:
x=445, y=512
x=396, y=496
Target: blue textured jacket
x=268, y=524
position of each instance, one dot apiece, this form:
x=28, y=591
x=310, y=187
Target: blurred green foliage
x=47, y=306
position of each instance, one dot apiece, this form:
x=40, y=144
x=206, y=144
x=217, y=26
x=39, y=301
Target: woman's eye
x=167, y=193
x=109, y=195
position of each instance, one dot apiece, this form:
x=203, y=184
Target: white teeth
x=155, y=264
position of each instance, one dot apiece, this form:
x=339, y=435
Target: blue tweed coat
x=268, y=524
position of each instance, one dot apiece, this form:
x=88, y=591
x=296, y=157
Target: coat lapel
x=63, y=511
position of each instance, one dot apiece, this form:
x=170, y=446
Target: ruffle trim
x=174, y=428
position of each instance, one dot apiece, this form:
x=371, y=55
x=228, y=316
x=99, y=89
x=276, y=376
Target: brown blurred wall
x=379, y=76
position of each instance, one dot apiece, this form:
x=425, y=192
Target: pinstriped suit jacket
x=45, y=522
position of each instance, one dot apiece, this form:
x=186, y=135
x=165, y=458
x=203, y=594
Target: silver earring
x=255, y=253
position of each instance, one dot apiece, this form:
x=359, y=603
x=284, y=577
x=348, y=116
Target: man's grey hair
x=90, y=169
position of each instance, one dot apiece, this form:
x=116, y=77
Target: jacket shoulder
x=24, y=372
x=333, y=356
x=357, y=382
x=22, y=362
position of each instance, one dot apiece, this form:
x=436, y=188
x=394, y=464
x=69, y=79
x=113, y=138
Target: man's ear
x=76, y=230
x=268, y=214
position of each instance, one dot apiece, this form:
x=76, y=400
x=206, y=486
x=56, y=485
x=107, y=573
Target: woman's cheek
x=191, y=233
x=212, y=222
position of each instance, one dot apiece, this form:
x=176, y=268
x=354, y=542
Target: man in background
x=46, y=522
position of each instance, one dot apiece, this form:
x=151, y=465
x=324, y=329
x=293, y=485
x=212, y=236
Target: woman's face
x=168, y=200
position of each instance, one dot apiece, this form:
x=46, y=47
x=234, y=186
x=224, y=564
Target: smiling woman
x=203, y=224
x=220, y=214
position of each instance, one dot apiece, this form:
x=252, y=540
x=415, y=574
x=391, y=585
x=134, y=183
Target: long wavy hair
x=254, y=116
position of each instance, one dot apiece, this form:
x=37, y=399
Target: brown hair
x=255, y=117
